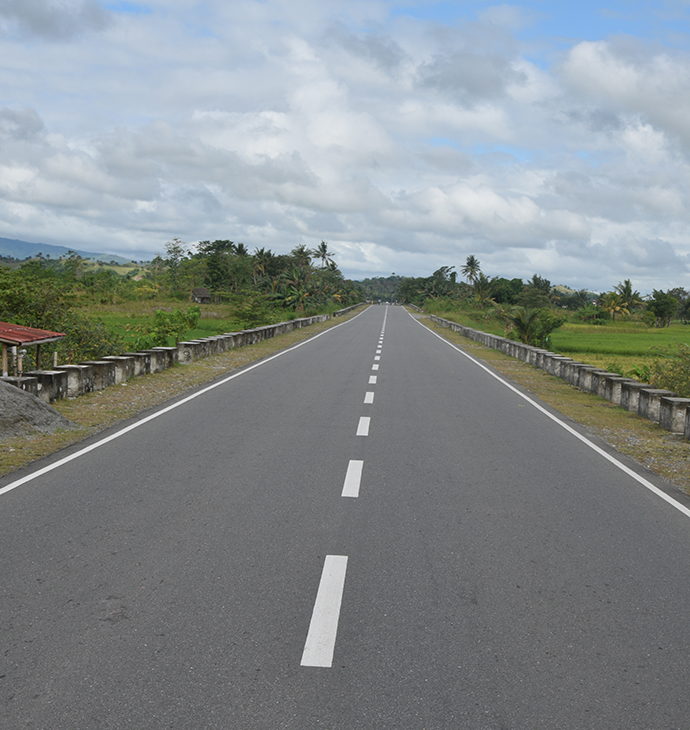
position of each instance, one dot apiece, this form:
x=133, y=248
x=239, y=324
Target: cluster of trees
x=53, y=293
x=532, y=310
x=303, y=279
x=380, y=288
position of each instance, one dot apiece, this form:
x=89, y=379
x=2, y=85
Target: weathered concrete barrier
x=124, y=367
x=649, y=405
x=672, y=413
x=660, y=406
x=30, y=385
x=79, y=379
x=613, y=387
x=103, y=373
x=630, y=395
x=50, y=384
x=340, y=312
x=168, y=355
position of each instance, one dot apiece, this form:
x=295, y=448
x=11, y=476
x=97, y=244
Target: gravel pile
x=22, y=413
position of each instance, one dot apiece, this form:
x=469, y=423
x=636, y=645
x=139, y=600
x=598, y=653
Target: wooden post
x=54, y=359
x=4, y=360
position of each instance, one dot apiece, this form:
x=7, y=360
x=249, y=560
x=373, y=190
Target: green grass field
x=125, y=317
x=617, y=346
x=624, y=338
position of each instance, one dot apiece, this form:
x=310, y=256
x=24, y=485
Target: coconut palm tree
x=322, y=252
x=471, y=269
x=614, y=303
x=630, y=298
x=302, y=254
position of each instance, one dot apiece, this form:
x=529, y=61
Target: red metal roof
x=15, y=334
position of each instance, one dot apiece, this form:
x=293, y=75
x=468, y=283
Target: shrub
x=671, y=370
x=593, y=315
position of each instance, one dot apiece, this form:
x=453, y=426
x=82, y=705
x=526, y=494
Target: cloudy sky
x=546, y=137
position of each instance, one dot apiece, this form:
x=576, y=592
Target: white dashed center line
x=369, y=396
x=363, y=426
x=372, y=380
x=320, y=643
x=375, y=366
x=353, y=479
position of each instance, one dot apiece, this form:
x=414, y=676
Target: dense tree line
x=53, y=293
x=303, y=279
x=533, y=309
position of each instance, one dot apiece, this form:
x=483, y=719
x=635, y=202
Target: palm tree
x=302, y=254
x=525, y=323
x=471, y=269
x=483, y=288
x=262, y=257
x=614, y=303
x=630, y=298
x=322, y=252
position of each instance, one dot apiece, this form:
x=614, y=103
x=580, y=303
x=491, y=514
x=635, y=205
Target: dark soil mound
x=22, y=413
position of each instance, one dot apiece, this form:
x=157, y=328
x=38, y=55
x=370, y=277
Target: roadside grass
x=665, y=454
x=94, y=412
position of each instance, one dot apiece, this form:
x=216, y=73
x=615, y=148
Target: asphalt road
x=366, y=531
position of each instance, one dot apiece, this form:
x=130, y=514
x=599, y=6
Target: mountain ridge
x=18, y=249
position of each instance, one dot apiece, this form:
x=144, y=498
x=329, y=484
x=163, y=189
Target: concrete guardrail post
x=614, y=385
x=630, y=395
x=649, y=404
x=79, y=379
x=23, y=382
x=103, y=373
x=169, y=354
x=672, y=413
x=124, y=367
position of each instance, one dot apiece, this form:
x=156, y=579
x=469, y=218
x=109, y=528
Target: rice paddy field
x=618, y=346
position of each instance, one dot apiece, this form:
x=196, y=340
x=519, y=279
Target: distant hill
x=23, y=249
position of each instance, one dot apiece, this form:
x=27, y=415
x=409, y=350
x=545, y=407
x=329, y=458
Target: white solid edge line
x=363, y=426
x=323, y=627
x=132, y=426
x=639, y=479
x=369, y=396
x=353, y=478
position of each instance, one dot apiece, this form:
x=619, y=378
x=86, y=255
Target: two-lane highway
x=366, y=531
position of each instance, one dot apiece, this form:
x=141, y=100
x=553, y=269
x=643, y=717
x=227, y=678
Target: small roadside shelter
x=15, y=335
x=201, y=295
